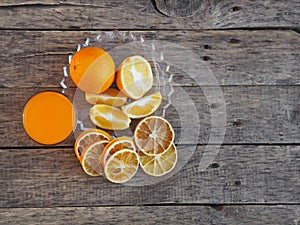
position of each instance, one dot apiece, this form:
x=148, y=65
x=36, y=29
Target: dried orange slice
x=143, y=107
x=159, y=164
x=87, y=138
x=134, y=77
x=121, y=166
x=110, y=97
x=109, y=117
x=90, y=158
x=115, y=145
x=154, y=135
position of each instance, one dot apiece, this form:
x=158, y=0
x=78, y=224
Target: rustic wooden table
x=253, y=49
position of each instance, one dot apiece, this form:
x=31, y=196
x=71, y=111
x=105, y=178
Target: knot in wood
x=176, y=4
x=180, y=8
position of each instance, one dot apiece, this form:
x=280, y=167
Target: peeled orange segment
x=121, y=166
x=109, y=97
x=92, y=70
x=159, y=164
x=90, y=159
x=115, y=145
x=143, y=107
x=87, y=138
x=134, y=77
x=153, y=135
x=109, y=117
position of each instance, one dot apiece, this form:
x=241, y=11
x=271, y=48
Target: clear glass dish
x=190, y=124
x=120, y=45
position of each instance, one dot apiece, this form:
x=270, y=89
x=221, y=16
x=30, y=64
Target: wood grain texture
x=145, y=14
x=259, y=73
x=239, y=174
x=255, y=114
x=247, y=215
x=183, y=8
x=34, y=58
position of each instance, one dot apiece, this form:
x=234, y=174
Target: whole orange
x=92, y=70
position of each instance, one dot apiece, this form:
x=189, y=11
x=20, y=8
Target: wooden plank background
x=239, y=174
x=252, y=118
x=253, y=49
x=143, y=14
x=256, y=215
x=235, y=57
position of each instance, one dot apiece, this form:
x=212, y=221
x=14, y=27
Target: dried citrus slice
x=90, y=158
x=153, y=135
x=143, y=107
x=159, y=164
x=134, y=77
x=110, y=97
x=115, y=145
x=109, y=117
x=87, y=138
x=121, y=166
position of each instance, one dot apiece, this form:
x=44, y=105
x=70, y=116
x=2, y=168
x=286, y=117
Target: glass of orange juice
x=49, y=117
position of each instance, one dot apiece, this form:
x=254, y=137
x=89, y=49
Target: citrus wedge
x=159, y=164
x=121, y=166
x=115, y=145
x=143, y=107
x=134, y=77
x=110, y=97
x=153, y=135
x=109, y=117
x=90, y=158
x=87, y=138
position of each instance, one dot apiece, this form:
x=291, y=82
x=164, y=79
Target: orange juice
x=49, y=117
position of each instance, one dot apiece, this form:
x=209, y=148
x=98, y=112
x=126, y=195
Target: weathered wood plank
x=239, y=174
x=252, y=215
x=84, y=14
x=255, y=114
x=234, y=57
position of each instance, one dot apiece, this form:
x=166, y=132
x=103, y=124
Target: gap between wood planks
x=218, y=207
x=58, y=148
x=295, y=29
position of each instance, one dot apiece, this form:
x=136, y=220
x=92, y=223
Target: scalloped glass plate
x=120, y=45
